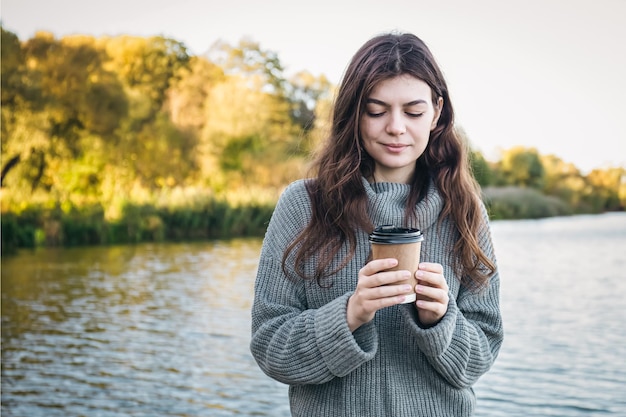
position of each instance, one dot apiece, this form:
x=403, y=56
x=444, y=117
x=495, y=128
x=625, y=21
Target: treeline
x=525, y=184
x=127, y=139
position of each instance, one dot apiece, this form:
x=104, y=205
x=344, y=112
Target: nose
x=396, y=125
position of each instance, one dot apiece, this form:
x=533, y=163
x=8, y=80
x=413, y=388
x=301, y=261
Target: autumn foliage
x=127, y=139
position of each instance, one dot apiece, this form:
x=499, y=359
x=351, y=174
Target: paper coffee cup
x=403, y=244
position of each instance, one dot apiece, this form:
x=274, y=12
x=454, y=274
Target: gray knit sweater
x=389, y=366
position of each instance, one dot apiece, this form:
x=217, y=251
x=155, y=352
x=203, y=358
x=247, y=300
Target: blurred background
x=144, y=145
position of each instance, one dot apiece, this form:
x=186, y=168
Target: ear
x=438, y=110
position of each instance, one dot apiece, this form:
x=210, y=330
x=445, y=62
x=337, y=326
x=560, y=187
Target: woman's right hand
x=374, y=291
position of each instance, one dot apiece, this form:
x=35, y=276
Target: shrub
x=522, y=203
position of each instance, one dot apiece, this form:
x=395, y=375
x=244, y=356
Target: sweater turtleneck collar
x=388, y=204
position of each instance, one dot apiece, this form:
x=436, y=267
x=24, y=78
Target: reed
x=185, y=214
x=188, y=215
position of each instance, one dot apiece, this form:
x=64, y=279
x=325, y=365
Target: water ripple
x=163, y=330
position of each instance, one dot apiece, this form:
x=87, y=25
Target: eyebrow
x=382, y=103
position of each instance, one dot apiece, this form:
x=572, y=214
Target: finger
x=432, y=279
x=384, y=278
x=370, y=300
x=378, y=265
x=431, y=267
x=438, y=309
x=387, y=291
x=388, y=296
x=432, y=293
x=380, y=303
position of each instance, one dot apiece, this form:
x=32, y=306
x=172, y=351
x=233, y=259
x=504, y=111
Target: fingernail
x=409, y=298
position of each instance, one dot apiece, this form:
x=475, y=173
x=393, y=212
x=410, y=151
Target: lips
x=395, y=147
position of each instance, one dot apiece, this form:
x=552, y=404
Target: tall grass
x=177, y=216
x=195, y=214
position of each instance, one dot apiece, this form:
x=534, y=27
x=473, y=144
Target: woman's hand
x=432, y=285
x=374, y=291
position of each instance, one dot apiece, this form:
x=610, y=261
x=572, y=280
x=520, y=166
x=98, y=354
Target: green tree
x=250, y=130
x=562, y=180
x=316, y=138
x=188, y=94
x=604, y=188
x=481, y=169
x=12, y=64
x=247, y=135
x=304, y=91
x=261, y=67
x=147, y=67
x=12, y=93
x=59, y=95
x=522, y=167
x=152, y=149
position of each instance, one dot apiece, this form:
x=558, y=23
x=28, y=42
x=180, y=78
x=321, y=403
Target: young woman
x=329, y=321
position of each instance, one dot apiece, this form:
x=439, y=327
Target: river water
x=163, y=329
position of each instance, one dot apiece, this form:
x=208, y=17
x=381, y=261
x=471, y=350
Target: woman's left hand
x=431, y=284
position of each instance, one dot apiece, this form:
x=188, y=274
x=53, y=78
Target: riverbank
x=205, y=217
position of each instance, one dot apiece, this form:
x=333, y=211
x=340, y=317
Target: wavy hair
x=338, y=197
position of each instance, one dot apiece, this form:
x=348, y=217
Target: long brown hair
x=338, y=197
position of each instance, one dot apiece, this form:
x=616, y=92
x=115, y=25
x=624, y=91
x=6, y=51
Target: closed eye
x=379, y=114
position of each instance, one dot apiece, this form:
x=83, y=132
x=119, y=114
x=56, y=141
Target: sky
x=544, y=74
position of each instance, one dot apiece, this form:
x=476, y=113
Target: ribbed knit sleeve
x=291, y=342
x=465, y=343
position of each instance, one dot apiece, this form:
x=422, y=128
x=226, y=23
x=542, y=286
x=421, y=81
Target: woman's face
x=395, y=127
